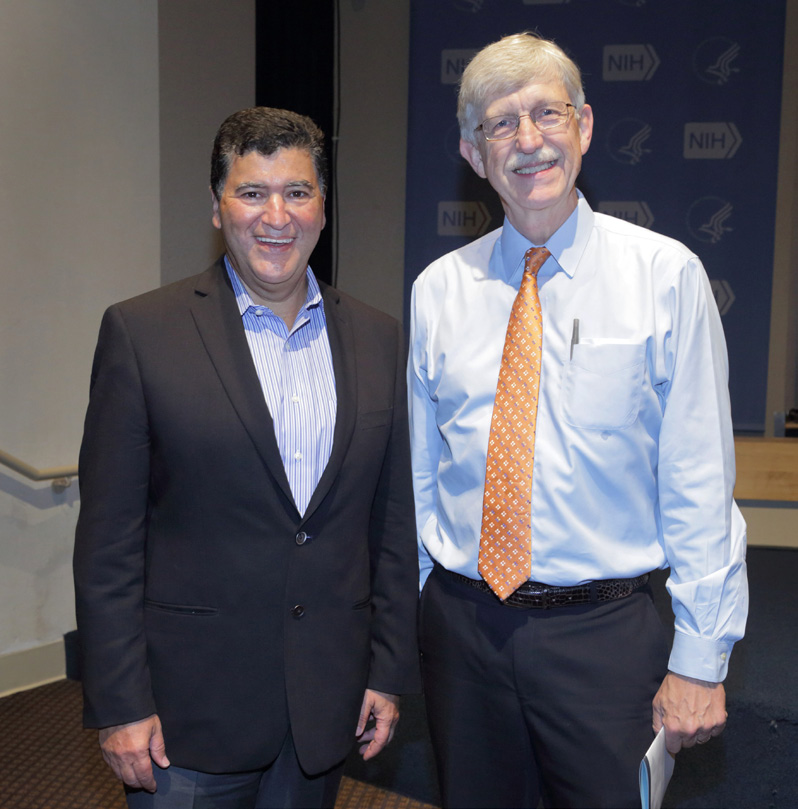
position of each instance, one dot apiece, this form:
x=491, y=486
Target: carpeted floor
x=48, y=761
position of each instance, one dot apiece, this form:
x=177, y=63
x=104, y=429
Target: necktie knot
x=534, y=259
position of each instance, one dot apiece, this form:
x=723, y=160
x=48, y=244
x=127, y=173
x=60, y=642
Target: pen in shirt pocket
x=574, y=336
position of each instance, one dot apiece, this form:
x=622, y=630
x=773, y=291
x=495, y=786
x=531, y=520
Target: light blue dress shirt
x=634, y=453
x=296, y=375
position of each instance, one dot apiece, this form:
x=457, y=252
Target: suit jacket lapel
x=342, y=348
x=219, y=323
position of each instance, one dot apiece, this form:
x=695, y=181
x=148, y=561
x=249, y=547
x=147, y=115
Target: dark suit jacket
x=198, y=596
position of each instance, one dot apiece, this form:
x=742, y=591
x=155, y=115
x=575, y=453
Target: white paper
x=656, y=770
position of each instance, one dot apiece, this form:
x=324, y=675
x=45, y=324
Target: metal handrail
x=61, y=476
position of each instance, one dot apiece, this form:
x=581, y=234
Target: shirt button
x=297, y=456
x=301, y=538
x=295, y=398
x=723, y=655
x=259, y=312
x=298, y=611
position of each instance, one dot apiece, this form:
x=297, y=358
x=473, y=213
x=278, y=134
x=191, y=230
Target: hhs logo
x=638, y=213
x=462, y=219
x=714, y=59
x=707, y=217
x=629, y=62
x=453, y=63
x=711, y=141
x=626, y=140
x=469, y=6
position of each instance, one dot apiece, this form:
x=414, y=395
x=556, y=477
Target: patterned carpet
x=48, y=761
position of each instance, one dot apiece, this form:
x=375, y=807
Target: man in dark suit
x=244, y=560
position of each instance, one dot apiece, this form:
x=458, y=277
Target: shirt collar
x=566, y=244
x=244, y=299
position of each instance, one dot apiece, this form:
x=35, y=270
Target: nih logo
x=711, y=141
x=723, y=294
x=638, y=213
x=629, y=62
x=453, y=63
x=462, y=219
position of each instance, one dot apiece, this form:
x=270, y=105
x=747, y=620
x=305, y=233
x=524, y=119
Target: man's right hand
x=130, y=749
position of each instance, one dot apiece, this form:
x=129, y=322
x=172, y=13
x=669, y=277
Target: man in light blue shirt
x=549, y=693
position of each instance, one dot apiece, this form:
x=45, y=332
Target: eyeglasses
x=547, y=118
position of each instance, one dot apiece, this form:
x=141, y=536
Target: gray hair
x=508, y=65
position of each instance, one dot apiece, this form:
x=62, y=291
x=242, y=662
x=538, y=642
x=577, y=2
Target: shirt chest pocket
x=602, y=385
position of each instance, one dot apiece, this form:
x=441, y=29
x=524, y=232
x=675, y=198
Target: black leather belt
x=534, y=595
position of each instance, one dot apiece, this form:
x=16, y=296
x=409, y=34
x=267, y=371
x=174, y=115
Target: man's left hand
x=692, y=711
x=384, y=709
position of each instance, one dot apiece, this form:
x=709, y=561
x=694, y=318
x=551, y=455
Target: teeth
x=266, y=240
x=534, y=169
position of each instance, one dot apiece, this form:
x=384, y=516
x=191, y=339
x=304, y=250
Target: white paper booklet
x=656, y=770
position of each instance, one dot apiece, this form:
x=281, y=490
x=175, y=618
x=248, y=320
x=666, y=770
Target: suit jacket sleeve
x=394, y=563
x=109, y=559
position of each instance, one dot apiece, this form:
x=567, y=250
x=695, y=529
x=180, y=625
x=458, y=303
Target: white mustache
x=521, y=161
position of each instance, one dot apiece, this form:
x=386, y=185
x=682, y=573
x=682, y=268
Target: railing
x=60, y=476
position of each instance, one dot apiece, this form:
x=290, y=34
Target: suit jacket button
x=298, y=611
x=301, y=538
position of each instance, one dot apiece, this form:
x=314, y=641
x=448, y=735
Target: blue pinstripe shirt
x=296, y=375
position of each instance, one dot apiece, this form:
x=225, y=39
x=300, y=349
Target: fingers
x=384, y=709
x=127, y=749
x=365, y=712
x=691, y=711
x=378, y=736
x=132, y=768
x=158, y=747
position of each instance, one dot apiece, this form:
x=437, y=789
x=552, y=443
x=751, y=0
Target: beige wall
x=104, y=160
x=79, y=229
x=782, y=391
x=371, y=148
x=207, y=71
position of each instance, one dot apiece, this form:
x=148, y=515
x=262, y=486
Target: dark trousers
x=281, y=785
x=530, y=704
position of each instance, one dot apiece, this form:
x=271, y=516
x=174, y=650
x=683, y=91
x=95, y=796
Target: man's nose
x=528, y=137
x=274, y=212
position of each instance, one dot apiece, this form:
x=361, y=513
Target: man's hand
x=691, y=710
x=127, y=750
x=384, y=709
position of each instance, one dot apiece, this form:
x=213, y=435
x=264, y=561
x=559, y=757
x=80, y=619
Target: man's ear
x=585, y=127
x=217, y=222
x=473, y=154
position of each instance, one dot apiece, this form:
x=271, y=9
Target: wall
x=372, y=143
x=79, y=228
x=207, y=71
x=98, y=138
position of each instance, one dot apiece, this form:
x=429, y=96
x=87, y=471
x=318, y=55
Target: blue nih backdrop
x=686, y=97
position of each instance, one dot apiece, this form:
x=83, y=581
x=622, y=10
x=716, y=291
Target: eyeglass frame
x=543, y=130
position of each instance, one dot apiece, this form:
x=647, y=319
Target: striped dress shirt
x=296, y=375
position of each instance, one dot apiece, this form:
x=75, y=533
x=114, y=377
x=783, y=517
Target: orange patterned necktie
x=505, y=555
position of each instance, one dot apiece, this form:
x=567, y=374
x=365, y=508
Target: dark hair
x=266, y=130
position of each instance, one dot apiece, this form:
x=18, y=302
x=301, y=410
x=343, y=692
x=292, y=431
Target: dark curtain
x=295, y=70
